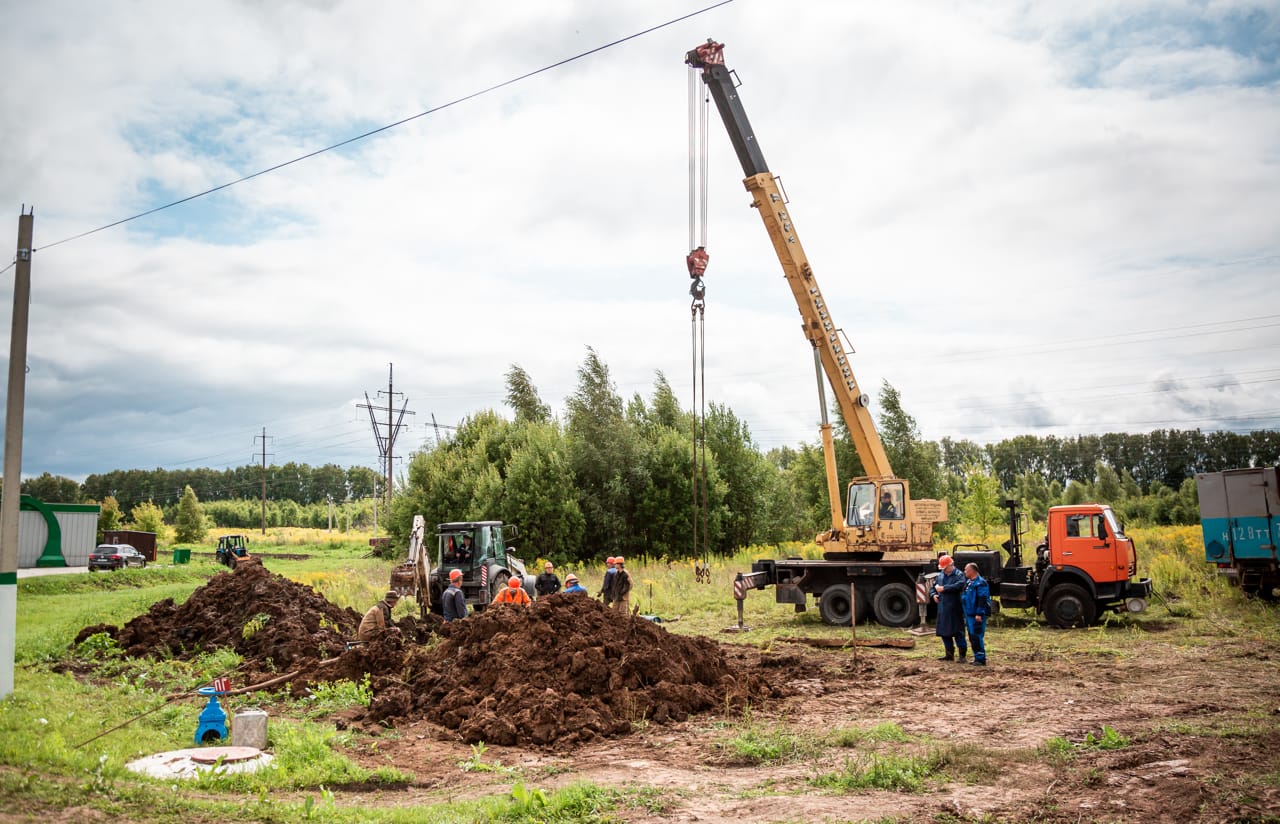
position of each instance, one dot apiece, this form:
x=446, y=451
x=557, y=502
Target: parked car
x=115, y=556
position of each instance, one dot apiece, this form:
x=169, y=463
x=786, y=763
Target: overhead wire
x=433, y=110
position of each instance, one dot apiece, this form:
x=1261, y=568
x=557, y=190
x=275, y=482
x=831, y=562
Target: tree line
x=300, y=483
x=616, y=476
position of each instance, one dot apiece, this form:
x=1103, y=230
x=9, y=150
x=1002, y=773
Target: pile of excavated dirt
x=558, y=673
x=274, y=623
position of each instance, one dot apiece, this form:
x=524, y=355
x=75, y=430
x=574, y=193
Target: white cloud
x=989, y=179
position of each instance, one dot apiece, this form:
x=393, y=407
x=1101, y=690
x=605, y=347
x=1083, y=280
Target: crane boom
x=911, y=527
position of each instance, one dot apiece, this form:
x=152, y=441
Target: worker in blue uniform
x=976, y=600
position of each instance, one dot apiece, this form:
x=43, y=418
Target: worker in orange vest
x=512, y=594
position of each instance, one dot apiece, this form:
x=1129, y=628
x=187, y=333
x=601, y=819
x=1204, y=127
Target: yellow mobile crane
x=884, y=539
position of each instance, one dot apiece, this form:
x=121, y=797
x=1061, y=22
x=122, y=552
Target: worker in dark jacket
x=606, y=589
x=976, y=599
x=548, y=583
x=621, y=589
x=378, y=617
x=454, y=602
x=947, y=589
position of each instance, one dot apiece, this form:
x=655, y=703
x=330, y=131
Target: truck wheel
x=1069, y=606
x=895, y=605
x=835, y=606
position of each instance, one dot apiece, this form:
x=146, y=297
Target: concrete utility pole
x=264, y=478
x=12, y=489
x=386, y=441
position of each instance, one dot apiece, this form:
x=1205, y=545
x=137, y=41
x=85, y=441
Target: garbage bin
x=182, y=556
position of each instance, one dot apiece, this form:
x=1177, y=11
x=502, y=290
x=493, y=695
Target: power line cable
x=389, y=126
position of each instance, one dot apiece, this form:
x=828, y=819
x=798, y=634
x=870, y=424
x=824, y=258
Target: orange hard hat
x=455, y=574
x=618, y=560
x=944, y=561
x=514, y=583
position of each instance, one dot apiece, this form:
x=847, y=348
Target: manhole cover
x=229, y=755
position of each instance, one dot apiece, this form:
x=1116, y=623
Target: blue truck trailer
x=1240, y=517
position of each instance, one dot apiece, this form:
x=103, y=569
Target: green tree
x=146, y=517
x=738, y=464
x=539, y=496
x=109, y=517
x=606, y=453
x=522, y=397
x=52, y=489
x=980, y=507
x=1107, y=487
x=911, y=458
x=189, y=522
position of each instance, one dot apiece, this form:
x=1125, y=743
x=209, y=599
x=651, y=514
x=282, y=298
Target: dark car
x=115, y=556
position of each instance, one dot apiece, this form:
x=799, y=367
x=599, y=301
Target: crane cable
x=696, y=261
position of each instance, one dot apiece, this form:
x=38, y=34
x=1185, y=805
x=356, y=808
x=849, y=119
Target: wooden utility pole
x=12, y=488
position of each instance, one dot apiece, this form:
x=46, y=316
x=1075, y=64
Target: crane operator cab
x=865, y=506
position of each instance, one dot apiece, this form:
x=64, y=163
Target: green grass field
x=54, y=755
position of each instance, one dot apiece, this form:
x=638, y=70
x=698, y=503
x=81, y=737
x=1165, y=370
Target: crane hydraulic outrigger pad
x=881, y=516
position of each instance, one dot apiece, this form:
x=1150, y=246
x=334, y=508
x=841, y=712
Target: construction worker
x=513, y=593
x=548, y=583
x=571, y=584
x=464, y=553
x=454, y=602
x=887, y=507
x=977, y=607
x=378, y=617
x=606, y=589
x=621, y=590
x=948, y=587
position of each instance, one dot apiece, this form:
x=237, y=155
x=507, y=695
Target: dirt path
x=1200, y=718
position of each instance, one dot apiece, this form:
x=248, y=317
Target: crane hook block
x=697, y=261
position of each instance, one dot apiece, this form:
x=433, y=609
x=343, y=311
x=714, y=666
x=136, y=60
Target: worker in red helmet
x=606, y=589
x=454, y=602
x=621, y=590
x=513, y=593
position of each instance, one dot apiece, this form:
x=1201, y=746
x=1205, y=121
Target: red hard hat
x=455, y=574
x=611, y=560
x=944, y=561
x=514, y=583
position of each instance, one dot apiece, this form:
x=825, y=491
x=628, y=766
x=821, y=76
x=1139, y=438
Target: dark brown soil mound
x=271, y=621
x=558, y=673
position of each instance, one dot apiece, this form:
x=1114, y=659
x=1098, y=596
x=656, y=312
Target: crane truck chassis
x=1083, y=567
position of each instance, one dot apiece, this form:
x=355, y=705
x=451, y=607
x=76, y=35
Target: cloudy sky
x=1039, y=218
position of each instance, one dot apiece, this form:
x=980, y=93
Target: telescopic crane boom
x=881, y=515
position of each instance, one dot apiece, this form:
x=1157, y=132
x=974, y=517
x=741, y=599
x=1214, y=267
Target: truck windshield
x=861, y=504
x=1113, y=526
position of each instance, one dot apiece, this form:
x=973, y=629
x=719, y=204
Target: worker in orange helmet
x=513, y=593
x=621, y=590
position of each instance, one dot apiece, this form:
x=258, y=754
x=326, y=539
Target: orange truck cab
x=1085, y=565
